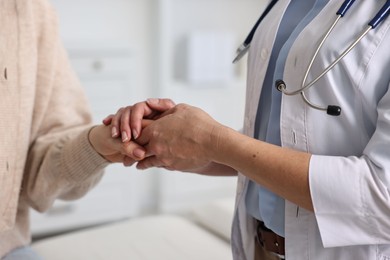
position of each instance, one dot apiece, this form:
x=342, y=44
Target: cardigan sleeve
x=61, y=162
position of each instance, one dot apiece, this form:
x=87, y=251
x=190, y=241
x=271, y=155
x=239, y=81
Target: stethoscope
x=280, y=85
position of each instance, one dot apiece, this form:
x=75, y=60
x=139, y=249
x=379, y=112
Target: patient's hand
x=129, y=121
x=113, y=150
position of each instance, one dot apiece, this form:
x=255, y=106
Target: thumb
x=160, y=104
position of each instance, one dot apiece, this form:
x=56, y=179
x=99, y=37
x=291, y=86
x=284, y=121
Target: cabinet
x=125, y=51
x=109, y=77
x=180, y=22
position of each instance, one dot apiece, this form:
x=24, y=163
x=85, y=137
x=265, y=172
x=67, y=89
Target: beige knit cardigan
x=44, y=121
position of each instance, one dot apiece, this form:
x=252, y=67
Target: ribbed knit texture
x=44, y=121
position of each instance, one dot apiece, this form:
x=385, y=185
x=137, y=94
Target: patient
x=48, y=149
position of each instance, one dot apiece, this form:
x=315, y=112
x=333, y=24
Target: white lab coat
x=350, y=168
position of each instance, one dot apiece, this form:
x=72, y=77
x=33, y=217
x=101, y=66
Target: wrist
x=93, y=137
x=213, y=147
x=223, y=145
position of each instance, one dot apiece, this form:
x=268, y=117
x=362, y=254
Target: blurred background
x=125, y=51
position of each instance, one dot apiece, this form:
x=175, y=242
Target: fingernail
x=140, y=167
x=139, y=153
x=135, y=134
x=152, y=100
x=114, y=132
x=128, y=164
x=124, y=136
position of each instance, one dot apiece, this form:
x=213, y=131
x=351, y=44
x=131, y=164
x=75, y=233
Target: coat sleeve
x=351, y=194
x=61, y=162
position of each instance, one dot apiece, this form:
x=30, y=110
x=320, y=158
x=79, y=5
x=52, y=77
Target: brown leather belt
x=271, y=241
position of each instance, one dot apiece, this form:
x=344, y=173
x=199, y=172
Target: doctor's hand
x=183, y=139
x=127, y=123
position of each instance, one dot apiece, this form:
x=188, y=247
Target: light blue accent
x=22, y=253
x=262, y=203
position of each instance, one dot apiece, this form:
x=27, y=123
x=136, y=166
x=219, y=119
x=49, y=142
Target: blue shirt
x=261, y=203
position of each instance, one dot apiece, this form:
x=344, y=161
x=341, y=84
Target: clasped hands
x=158, y=133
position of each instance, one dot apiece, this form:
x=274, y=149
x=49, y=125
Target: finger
x=148, y=109
x=134, y=151
x=149, y=162
x=116, y=158
x=168, y=112
x=107, y=121
x=115, y=123
x=146, y=122
x=160, y=104
x=144, y=138
x=127, y=161
x=148, y=151
x=125, y=126
x=139, y=111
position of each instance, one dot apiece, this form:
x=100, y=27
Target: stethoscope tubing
x=382, y=14
x=244, y=47
x=249, y=38
x=345, y=7
x=328, y=69
x=334, y=63
x=379, y=17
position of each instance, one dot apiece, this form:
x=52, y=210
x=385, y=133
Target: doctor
x=319, y=181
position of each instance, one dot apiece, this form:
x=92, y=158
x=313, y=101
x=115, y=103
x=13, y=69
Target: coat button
x=264, y=54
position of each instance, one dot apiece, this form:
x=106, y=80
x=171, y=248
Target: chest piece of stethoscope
x=331, y=110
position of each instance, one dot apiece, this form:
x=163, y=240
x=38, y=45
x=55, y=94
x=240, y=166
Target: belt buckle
x=261, y=233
